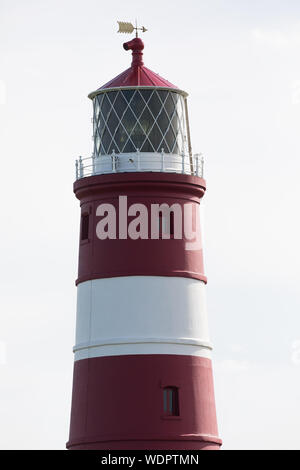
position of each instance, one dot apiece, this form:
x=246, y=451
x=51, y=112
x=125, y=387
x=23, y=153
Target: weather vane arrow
x=128, y=28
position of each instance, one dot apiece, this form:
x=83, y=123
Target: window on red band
x=171, y=402
x=85, y=227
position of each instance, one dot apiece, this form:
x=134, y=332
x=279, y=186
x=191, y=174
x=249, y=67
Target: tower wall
x=141, y=326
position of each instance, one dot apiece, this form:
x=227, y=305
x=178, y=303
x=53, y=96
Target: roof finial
x=136, y=45
x=128, y=28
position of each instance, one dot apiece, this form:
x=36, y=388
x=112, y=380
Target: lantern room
x=140, y=123
x=145, y=119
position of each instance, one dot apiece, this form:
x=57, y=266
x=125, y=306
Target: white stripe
x=142, y=348
x=131, y=340
x=141, y=315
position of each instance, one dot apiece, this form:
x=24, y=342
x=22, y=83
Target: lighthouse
x=142, y=355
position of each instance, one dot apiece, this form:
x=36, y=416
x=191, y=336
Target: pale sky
x=239, y=62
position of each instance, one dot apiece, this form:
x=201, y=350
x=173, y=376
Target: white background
x=239, y=61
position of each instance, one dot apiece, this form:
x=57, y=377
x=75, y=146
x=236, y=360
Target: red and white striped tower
x=142, y=373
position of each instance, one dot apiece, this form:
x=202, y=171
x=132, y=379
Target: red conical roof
x=137, y=74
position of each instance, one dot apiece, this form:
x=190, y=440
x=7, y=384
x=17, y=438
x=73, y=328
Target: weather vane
x=128, y=28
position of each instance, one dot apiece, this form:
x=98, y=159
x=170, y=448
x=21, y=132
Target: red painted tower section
x=143, y=372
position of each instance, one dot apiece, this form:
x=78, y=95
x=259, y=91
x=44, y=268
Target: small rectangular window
x=166, y=224
x=85, y=226
x=160, y=225
x=171, y=402
x=172, y=224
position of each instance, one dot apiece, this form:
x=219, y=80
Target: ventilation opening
x=172, y=224
x=85, y=226
x=171, y=402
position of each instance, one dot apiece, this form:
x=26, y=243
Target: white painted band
x=141, y=315
x=119, y=341
x=139, y=349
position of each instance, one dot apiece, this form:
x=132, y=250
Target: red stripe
x=111, y=258
x=144, y=181
x=118, y=403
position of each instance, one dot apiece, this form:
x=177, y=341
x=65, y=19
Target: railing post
x=76, y=169
x=162, y=160
x=138, y=156
x=202, y=166
x=93, y=164
x=114, y=169
x=199, y=164
x=80, y=168
x=182, y=162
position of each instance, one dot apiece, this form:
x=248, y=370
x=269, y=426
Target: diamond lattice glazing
x=146, y=119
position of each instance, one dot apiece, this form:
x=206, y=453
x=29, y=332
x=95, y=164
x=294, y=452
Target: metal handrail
x=140, y=162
